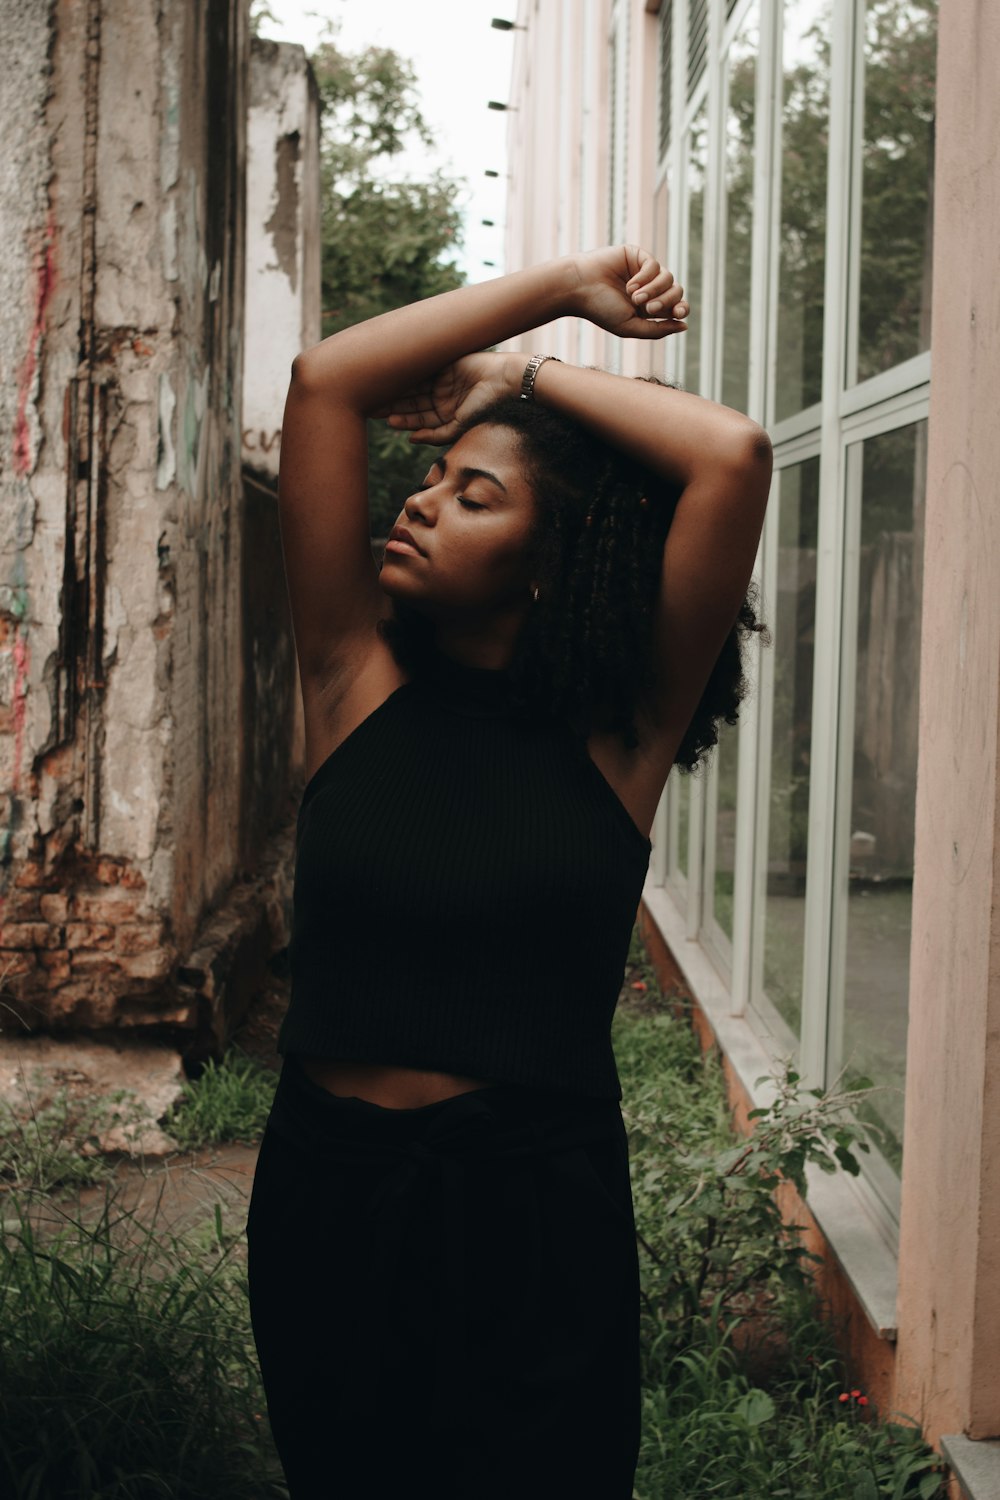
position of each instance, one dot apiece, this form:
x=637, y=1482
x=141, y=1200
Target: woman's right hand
x=435, y=411
x=625, y=290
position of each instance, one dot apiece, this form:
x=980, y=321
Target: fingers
x=653, y=290
x=405, y=421
x=652, y=328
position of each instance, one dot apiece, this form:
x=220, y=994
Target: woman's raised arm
x=363, y=371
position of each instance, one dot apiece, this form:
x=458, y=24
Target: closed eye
x=469, y=504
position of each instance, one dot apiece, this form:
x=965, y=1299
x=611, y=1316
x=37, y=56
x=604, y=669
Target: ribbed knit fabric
x=465, y=890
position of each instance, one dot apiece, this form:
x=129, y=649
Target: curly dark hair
x=584, y=653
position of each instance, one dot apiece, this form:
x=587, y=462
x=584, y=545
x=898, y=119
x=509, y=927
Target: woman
x=443, y=1270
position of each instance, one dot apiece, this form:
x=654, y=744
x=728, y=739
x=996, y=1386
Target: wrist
x=513, y=372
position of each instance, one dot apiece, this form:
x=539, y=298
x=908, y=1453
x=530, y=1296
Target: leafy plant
x=229, y=1101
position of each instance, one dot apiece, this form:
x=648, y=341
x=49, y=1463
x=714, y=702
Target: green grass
x=127, y=1367
x=228, y=1102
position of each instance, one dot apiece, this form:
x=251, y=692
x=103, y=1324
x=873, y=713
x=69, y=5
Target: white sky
x=460, y=63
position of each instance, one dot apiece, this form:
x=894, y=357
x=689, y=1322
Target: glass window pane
x=739, y=142
x=802, y=228
x=793, y=630
x=726, y=755
x=682, y=791
x=894, y=314
x=693, y=282
x=883, y=795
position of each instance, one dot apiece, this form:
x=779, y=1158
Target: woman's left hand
x=435, y=412
x=625, y=290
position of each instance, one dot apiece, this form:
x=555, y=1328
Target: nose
x=416, y=507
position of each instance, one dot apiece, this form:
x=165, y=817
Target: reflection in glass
x=802, y=231
x=726, y=757
x=883, y=795
x=794, y=629
x=894, y=313
x=693, y=281
x=739, y=142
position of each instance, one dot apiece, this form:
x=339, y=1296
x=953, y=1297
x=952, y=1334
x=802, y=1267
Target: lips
x=400, y=534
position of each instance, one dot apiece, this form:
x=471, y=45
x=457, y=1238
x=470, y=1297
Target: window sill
x=856, y=1241
x=975, y=1464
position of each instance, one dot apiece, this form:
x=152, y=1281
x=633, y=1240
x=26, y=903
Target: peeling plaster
x=283, y=225
x=166, y=462
x=25, y=430
x=168, y=235
x=196, y=400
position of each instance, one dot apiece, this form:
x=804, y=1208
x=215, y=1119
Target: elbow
x=754, y=456
x=303, y=366
x=755, y=447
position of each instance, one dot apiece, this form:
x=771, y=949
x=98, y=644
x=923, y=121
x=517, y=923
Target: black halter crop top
x=464, y=894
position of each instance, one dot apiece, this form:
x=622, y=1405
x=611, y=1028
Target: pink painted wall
x=948, y=1359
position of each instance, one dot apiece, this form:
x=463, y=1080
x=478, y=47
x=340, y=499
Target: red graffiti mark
x=45, y=281
x=22, y=659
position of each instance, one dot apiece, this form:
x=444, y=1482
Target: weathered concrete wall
x=282, y=317
x=121, y=199
x=283, y=238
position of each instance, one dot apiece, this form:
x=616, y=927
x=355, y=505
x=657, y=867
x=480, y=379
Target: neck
x=490, y=646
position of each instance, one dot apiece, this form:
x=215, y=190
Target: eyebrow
x=467, y=473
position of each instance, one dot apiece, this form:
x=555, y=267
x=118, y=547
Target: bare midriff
x=392, y=1087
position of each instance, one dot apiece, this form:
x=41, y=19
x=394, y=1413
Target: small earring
x=534, y=594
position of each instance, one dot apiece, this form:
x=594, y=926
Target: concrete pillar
x=121, y=200
x=948, y=1358
x=283, y=239
x=283, y=316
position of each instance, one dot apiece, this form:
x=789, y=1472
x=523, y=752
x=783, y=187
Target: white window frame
x=831, y=429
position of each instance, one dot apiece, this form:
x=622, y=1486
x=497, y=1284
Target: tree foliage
x=387, y=238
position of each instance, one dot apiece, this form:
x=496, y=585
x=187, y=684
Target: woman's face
x=472, y=520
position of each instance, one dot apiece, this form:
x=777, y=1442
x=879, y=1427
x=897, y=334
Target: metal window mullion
x=900, y=378
x=854, y=176
x=710, y=326
x=853, y=459
x=826, y=773
x=883, y=1186
x=747, y=784
x=748, y=980
x=792, y=429
x=773, y=283
x=901, y=411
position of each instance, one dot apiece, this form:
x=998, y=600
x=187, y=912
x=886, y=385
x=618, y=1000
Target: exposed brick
x=54, y=906
x=153, y=965
x=107, y=872
x=57, y=974
x=51, y=958
x=89, y=935
x=132, y=879
x=80, y=1003
x=21, y=906
x=15, y=961
x=143, y=1013
x=24, y=935
x=30, y=876
x=134, y=937
x=88, y=962
x=108, y=905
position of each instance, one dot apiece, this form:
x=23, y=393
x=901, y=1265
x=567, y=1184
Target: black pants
x=445, y=1300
